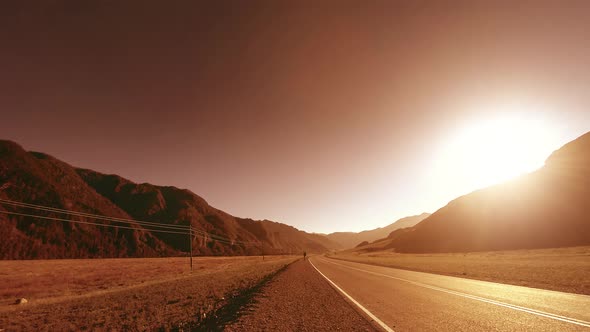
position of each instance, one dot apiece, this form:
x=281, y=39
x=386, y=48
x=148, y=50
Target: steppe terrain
x=128, y=294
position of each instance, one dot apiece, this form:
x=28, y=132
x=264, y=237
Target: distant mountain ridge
x=544, y=209
x=352, y=239
x=38, y=178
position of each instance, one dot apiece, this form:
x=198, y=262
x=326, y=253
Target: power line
x=89, y=223
x=95, y=216
x=106, y=225
x=222, y=239
x=174, y=228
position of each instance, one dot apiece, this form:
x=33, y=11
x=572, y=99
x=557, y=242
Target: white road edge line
x=477, y=298
x=365, y=310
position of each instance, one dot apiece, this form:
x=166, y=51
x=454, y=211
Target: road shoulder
x=299, y=299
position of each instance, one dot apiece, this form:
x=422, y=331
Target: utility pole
x=190, y=236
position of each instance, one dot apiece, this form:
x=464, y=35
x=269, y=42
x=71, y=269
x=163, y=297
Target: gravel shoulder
x=299, y=299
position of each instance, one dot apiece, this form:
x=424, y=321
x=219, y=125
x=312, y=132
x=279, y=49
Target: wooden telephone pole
x=190, y=236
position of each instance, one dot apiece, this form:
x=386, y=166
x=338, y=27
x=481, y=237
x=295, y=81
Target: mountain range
x=40, y=179
x=351, y=239
x=547, y=208
x=543, y=209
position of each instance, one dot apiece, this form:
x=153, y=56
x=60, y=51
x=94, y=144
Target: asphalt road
x=414, y=301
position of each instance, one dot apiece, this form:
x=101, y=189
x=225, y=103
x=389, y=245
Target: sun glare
x=493, y=150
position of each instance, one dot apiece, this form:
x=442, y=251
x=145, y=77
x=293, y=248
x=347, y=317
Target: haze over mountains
x=40, y=179
x=544, y=209
x=352, y=239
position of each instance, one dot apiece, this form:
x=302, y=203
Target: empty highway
x=401, y=300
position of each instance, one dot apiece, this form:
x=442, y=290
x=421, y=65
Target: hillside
x=544, y=209
x=40, y=179
x=352, y=239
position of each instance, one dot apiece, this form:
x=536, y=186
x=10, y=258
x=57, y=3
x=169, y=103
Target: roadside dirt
x=299, y=299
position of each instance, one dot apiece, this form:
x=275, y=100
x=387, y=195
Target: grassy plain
x=560, y=269
x=128, y=294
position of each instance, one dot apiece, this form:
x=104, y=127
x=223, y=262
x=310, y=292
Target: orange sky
x=323, y=116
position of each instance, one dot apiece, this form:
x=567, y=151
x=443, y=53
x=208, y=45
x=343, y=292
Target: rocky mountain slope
x=40, y=179
x=544, y=209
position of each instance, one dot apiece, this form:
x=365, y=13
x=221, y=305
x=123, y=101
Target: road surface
x=404, y=300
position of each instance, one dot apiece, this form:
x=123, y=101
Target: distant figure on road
x=304, y=254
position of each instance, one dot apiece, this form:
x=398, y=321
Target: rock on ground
x=21, y=301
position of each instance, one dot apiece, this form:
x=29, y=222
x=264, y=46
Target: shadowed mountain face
x=544, y=209
x=40, y=179
x=351, y=239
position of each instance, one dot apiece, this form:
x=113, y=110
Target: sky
x=325, y=115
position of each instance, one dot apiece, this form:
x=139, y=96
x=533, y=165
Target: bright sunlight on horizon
x=489, y=150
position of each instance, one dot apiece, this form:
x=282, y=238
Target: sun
x=495, y=149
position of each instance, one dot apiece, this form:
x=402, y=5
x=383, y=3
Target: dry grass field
x=560, y=269
x=128, y=294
